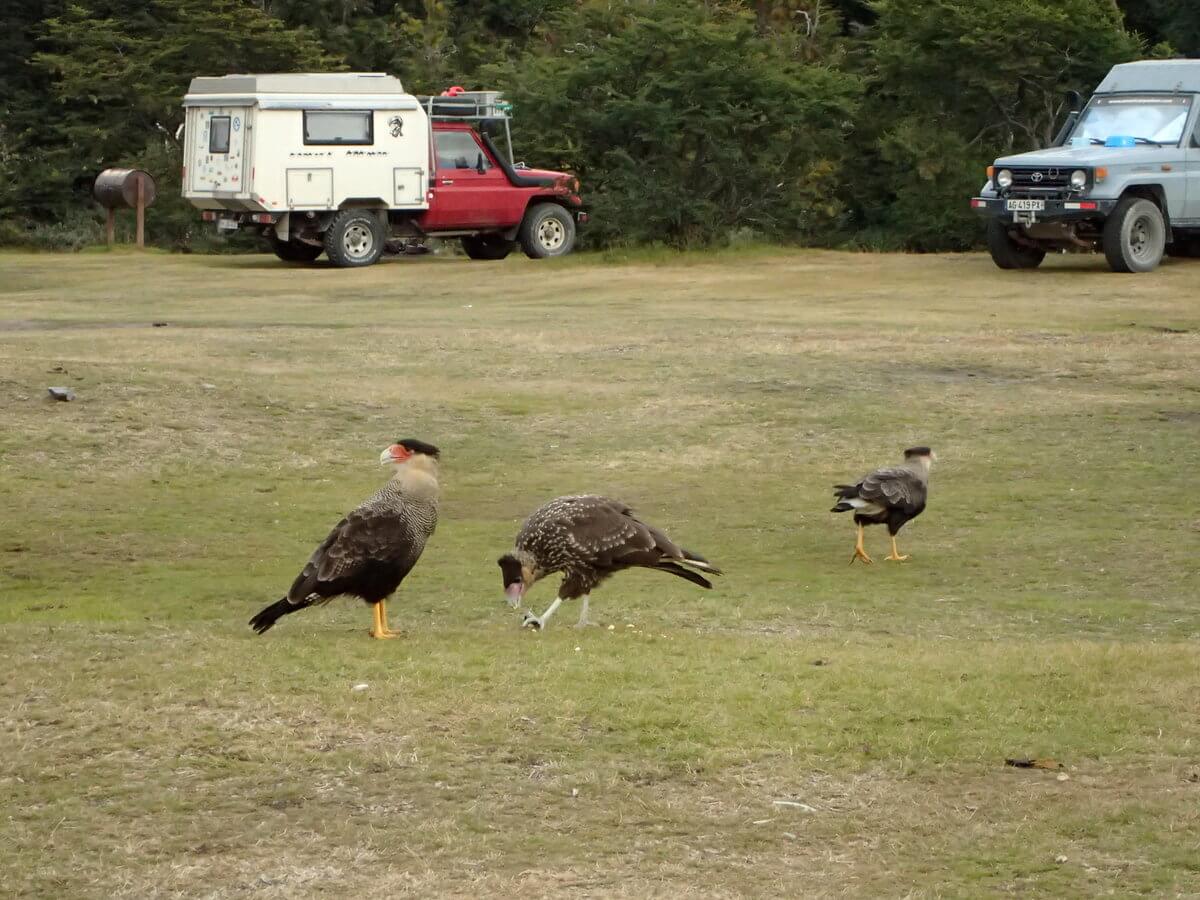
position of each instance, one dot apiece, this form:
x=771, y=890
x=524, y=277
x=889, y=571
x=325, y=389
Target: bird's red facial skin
x=399, y=453
x=514, y=592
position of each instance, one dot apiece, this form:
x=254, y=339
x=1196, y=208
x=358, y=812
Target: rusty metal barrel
x=118, y=188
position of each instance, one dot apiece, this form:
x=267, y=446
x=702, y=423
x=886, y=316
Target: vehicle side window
x=1196, y=133
x=218, y=134
x=458, y=150
x=338, y=127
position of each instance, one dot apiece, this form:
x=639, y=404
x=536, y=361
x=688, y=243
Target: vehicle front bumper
x=1055, y=210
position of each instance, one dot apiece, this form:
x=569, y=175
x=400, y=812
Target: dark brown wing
x=611, y=535
x=895, y=488
x=363, y=538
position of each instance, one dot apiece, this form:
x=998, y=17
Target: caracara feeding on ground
x=370, y=551
x=589, y=538
x=889, y=496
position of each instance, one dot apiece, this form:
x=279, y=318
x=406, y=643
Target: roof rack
x=458, y=105
x=468, y=105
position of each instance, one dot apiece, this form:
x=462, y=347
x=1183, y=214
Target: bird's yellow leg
x=895, y=557
x=381, y=629
x=860, y=552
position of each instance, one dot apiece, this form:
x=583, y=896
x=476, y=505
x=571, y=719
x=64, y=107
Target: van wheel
x=547, y=230
x=1007, y=253
x=355, y=237
x=1135, y=236
x=294, y=251
x=487, y=246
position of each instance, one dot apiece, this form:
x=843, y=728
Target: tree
x=683, y=124
x=956, y=83
x=1174, y=22
x=117, y=73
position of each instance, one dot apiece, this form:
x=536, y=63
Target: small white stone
x=1063, y=776
x=1060, y=859
x=577, y=649
x=612, y=627
x=360, y=687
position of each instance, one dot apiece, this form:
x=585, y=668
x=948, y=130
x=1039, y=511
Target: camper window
x=330, y=127
x=218, y=134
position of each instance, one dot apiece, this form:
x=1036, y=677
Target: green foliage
x=1173, y=22
x=825, y=121
x=683, y=124
x=114, y=75
x=957, y=82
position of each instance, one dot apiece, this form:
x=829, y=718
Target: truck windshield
x=1147, y=119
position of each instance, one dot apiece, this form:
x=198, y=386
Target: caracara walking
x=589, y=538
x=370, y=551
x=890, y=496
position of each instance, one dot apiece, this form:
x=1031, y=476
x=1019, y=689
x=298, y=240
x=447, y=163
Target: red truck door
x=463, y=196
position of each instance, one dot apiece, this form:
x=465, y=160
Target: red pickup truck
x=477, y=190
x=338, y=163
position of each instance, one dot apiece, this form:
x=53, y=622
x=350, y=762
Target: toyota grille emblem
x=1036, y=177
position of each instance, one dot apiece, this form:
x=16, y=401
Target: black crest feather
x=415, y=446
x=917, y=451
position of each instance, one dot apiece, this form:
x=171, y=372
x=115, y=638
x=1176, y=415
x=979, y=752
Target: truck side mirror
x=479, y=167
x=1074, y=101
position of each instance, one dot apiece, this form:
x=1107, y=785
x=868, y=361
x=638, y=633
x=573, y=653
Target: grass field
x=806, y=729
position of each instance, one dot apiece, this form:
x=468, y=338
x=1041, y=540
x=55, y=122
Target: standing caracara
x=370, y=551
x=589, y=538
x=889, y=496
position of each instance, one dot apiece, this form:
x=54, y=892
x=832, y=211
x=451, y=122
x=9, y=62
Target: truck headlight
x=1004, y=178
x=1079, y=179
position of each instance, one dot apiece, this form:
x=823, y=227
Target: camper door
x=219, y=138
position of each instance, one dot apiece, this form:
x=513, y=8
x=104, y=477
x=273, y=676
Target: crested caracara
x=889, y=496
x=370, y=551
x=589, y=538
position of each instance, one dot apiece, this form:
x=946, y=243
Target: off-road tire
x=355, y=238
x=294, y=251
x=1007, y=253
x=487, y=246
x=1135, y=236
x=547, y=230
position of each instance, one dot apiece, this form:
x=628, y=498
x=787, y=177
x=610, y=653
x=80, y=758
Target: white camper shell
x=278, y=143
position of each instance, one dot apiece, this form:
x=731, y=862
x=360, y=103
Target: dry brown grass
x=150, y=745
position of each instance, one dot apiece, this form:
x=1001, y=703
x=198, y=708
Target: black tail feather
x=676, y=569
x=844, y=492
x=269, y=615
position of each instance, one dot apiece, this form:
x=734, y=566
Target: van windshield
x=1142, y=119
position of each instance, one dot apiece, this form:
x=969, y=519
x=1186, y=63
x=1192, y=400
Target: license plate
x=1025, y=205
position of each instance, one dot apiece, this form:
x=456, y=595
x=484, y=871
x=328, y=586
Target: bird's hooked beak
x=513, y=593
x=394, y=455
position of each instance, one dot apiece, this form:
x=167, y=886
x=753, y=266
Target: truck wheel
x=547, y=230
x=355, y=237
x=487, y=246
x=1007, y=253
x=294, y=251
x=1135, y=236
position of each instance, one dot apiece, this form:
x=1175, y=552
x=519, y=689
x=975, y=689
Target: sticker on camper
x=237, y=124
x=396, y=124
